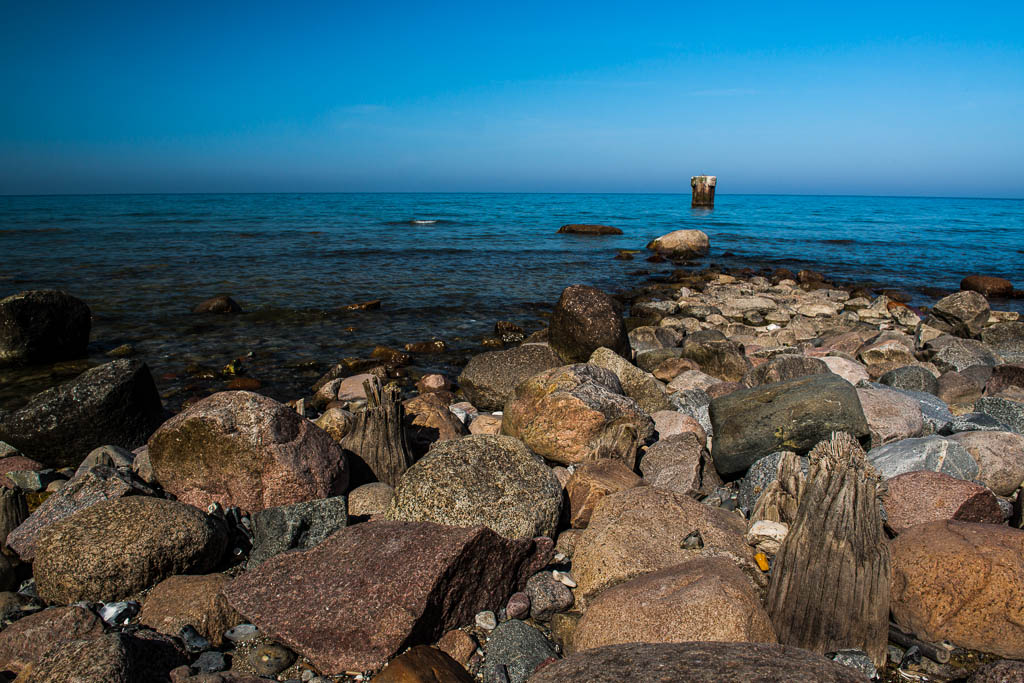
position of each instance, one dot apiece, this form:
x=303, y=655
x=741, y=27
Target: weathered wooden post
x=376, y=442
x=703, y=190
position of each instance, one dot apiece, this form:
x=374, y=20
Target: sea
x=445, y=266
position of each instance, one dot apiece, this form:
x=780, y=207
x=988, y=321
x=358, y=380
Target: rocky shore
x=714, y=477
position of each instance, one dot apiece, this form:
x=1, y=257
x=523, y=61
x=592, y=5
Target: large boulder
x=1000, y=458
x=117, y=547
x=641, y=530
x=933, y=453
x=490, y=379
x=591, y=482
x=1009, y=413
x=705, y=598
x=190, y=600
x=244, y=449
x=43, y=326
x=961, y=582
x=696, y=662
x=640, y=386
x=373, y=589
x=108, y=658
x=115, y=403
x=682, y=464
x=795, y=415
x=891, y=416
x=925, y=496
x=584, y=320
x=682, y=243
x=962, y=314
x=953, y=354
x=784, y=367
x=988, y=285
x=23, y=642
x=490, y=480
x=576, y=413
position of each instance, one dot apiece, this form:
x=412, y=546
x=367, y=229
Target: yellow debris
x=762, y=561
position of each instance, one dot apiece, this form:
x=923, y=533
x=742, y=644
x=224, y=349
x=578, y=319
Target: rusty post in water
x=703, y=190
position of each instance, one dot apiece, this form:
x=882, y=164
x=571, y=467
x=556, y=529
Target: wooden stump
x=13, y=511
x=830, y=583
x=703, y=190
x=781, y=498
x=376, y=442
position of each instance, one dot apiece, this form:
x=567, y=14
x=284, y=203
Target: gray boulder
x=962, y=314
x=912, y=377
x=490, y=379
x=299, y=526
x=933, y=453
x=514, y=650
x=43, y=326
x=1010, y=413
x=956, y=354
x=640, y=386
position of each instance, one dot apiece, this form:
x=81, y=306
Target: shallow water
x=445, y=265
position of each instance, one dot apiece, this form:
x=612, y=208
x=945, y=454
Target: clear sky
x=796, y=97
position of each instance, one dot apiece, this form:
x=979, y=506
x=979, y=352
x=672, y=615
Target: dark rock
x=109, y=658
x=514, y=651
x=794, y=415
x=372, y=589
x=912, y=377
x=210, y=662
x=23, y=642
x=759, y=476
x=954, y=354
x=490, y=379
x=43, y=326
x=1002, y=671
x=429, y=420
x=518, y=606
x=1006, y=339
x=648, y=338
x=298, y=526
x=218, y=304
x=782, y=368
x=490, y=480
x=424, y=664
x=988, y=286
x=584, y=320
x=114, y=548
x=962, y=314
x=695, y=662
x=1010, y=413
x=975, y=422
x=1005, y=376
x=721, y=358
x=548, y=596
x=114, y=403
x=934, y=453
x=589, y=229
x=107, y=456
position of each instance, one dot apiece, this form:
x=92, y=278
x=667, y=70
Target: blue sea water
x=445, y=265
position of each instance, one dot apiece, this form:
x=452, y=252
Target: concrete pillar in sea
x=703, y=190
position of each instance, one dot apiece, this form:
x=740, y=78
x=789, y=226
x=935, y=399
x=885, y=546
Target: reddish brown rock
x=671, y=423
x=486, y=424
x=458, y=645
x=1000, y=458
x=16, y=463
x=961, y=582
x=891, y=416
x=244, y=449
x=593, y=481
x=24, y=641
x=244, y=384
x=423, y=664
x=428, y=420
x=373, y=588
x=670, y=368
x=681, y=464
x=925, y=496
x=109, y=658
x=957, y=388
x=987, y=285
x=193, y=600
x=1003, y=377
x=584, y=320
x=706, y=598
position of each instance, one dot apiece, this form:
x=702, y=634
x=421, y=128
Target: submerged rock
x=43, y=326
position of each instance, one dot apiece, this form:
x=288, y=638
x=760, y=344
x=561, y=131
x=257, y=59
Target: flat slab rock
x=695, y=662
x=370, y=590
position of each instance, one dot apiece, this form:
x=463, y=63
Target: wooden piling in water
x=703, y=190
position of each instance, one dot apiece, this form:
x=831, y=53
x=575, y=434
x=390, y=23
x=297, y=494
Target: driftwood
x=376, y=442
x=830, y=583
x=780, y=500
x=13, y=511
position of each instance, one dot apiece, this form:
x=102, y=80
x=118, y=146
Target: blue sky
x=877, y=98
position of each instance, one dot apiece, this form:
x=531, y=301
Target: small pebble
x=564, y=578
x=271, y=659
x=486, y=620
x=693, y=542
x=192, y=640
x=118, y=613
x=210, y=662
x=518, y=606
x=241, y=633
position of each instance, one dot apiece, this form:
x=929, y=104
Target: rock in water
x=682, y=243
x=218, y=304
x=372, y=589
x=115, y=403
x=244, y=449
x=589, y=229
x=115, y=548
x=43, y=326
x=988, y=285
x=795, y=415
x=584, y=320
x=489, y=379
x=491, y=480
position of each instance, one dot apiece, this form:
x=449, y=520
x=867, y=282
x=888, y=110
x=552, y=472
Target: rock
x=705, y=598
x=190, y=600
x=428, y=420
x=640, y=386
x=1006, y=339
x=852, y=371
x=671, y=423
x=988, y=286
x=16, y=463
x=486, y=424
x=720, y=358
x=371, y=589
x=337, y=422
x=956, y=354
x=458, y=645
x=424, y=664
x=489, y=379
x=641, y=530
x=271, y=659
x=891, y=415
x=43, y=326
x=692, y=379
x=1001, y=671
x=114, y=403
x=370, y=499
x=576, y=413
x=24, y=641
x=794, y=415
x=518, y=606
x=882, y=355
x=210, y=662
x=934, y=411
x=486, y=620
x=912, y=377
x=584, y=320
x=352, y=389
x=696, y=662
x=1000, y=458
x=593, y=481
x=681, y=244
x=767, y=536
x=759, y=476
x=548, y=596
x=108, y=455
x=925, y=496
x=782, y=368
x=218, y=304
x=681, y=464
x=242, y=449
x=589, y=229
x=115, y=548
x=1003, y=377
x=973, y=422
x=298, y=526
x=1010, y=413
x=514, y=651
x=648, y=338
x=933, y=453
x=958, y=389
x=109, y=658
x=962, y=582
x=962, y=314
x=433, y=382
x=241, y=633
x=84, y=490
x=490, y=480
x=694, y=403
